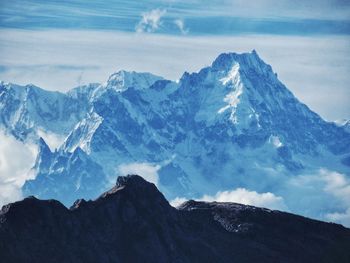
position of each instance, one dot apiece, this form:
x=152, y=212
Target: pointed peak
x=79, y=154
x=136, y=188
x=43, y=147
x=44, y=156
x=130, y=180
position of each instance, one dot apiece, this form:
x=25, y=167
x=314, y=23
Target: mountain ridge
x=133, y=222
x=234, y=116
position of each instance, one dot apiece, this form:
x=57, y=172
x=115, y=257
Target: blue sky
x=60, y=44
x=200, y=17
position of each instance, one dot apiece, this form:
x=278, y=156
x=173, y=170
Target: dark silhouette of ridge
x=133, y=222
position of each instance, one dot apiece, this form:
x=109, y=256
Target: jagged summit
x=131, y=180
x=225, y=60
x=137, y=187
x=234, y=116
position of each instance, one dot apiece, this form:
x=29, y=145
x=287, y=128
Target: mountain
x=27, y=110
x=133, y=222
x=344, y=123
x=234, y=116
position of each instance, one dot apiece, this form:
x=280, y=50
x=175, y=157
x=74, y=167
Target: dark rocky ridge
x=133, y=222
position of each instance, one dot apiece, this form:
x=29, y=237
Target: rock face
x=133, y=222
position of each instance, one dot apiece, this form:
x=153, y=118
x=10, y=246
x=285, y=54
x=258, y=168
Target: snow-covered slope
x=234, y=116
x=29, y=112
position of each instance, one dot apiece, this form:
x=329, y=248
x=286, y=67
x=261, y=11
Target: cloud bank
x=320, y=194
x=311, y=67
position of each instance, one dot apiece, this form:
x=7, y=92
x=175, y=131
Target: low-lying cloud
x=320, y=194
x=16, y=159
x=323, y=193
x=302, y=63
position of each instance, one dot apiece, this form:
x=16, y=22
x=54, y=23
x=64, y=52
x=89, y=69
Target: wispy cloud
x=181, y=25
x=150, y=21
x=220, y=17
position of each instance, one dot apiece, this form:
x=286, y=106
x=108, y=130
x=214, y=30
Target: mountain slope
x=133, y=222
x=234, y=116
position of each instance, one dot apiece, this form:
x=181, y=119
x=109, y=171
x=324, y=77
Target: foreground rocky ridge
x=133, y=222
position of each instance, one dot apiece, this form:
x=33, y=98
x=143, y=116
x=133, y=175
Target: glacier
x=230, y=125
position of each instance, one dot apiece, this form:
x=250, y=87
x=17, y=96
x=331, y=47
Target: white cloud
x=16, y=159
x=342, y=218
x=302, y=63
x=241, y=196
x=148, y=171
x=181, y=25
x=330, y=182
x=323, y=193
x=150, y=21
x=336, y=184
x=246, y=197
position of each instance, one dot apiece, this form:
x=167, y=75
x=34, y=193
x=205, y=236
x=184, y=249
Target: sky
x=58, y=45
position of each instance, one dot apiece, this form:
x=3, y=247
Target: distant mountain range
x=232, y=124
x=133, y=222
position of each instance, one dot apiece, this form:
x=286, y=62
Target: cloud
x=121, y=15
x=336, y=184
x=148, y=171
x=16, y=159
x=302, y=63
x=342, y=218
x=323, y=193
x=246, y=197
x=181, y=25
x=241, y=196
x=150, y=21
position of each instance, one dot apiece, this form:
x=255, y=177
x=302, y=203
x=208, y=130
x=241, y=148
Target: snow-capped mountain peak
x=234, y=116
x=123, y=80
x=248, y=62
